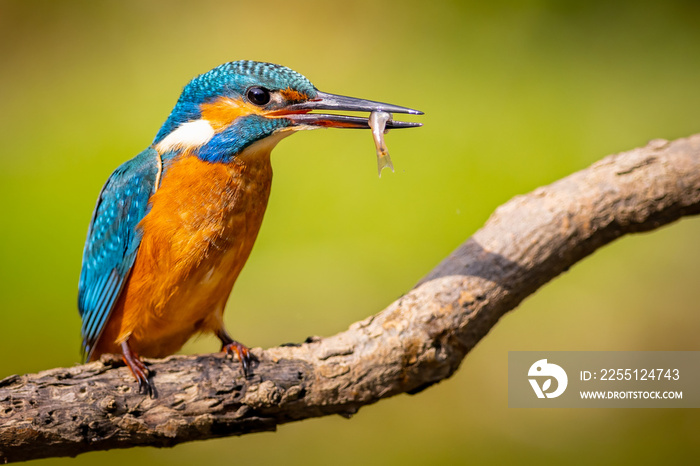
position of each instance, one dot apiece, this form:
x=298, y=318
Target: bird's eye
x=258, y=95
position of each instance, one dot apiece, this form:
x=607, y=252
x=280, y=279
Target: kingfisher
x=173, y=227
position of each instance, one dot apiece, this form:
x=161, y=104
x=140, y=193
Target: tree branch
x=415, y=342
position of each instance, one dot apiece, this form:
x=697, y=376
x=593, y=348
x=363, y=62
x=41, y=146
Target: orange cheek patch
x=224, y=110
x=292, y=95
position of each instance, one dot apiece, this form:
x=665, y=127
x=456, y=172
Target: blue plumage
x=231, y=79
x=113, y=240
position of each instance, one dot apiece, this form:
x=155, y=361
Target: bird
x=173, y=227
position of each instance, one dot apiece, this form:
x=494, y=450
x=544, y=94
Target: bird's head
x=224, y=111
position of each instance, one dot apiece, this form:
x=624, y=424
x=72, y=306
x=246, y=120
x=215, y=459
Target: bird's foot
x=138, y=370
x=243, y=354
x=231, y=346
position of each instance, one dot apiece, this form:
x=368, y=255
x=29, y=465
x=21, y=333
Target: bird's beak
x=299, y=113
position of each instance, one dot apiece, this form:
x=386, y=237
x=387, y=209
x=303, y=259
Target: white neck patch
x=192, y=134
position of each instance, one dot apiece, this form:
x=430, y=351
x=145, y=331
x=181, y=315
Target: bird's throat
x=260, y=150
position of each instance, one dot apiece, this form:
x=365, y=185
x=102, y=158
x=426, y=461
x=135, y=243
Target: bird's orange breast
x=203, y=221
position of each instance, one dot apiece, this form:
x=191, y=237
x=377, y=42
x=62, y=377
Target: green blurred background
x=515, y=94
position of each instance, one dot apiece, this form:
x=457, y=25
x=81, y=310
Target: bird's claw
x=145, y=385
x=243, y=353
x=141, y=374
x=139, y=371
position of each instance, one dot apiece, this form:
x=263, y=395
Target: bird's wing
x=113, y=240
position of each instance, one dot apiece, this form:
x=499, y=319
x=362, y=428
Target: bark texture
x=415, y=342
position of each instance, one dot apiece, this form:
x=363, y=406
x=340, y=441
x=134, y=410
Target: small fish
x=377, y=121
